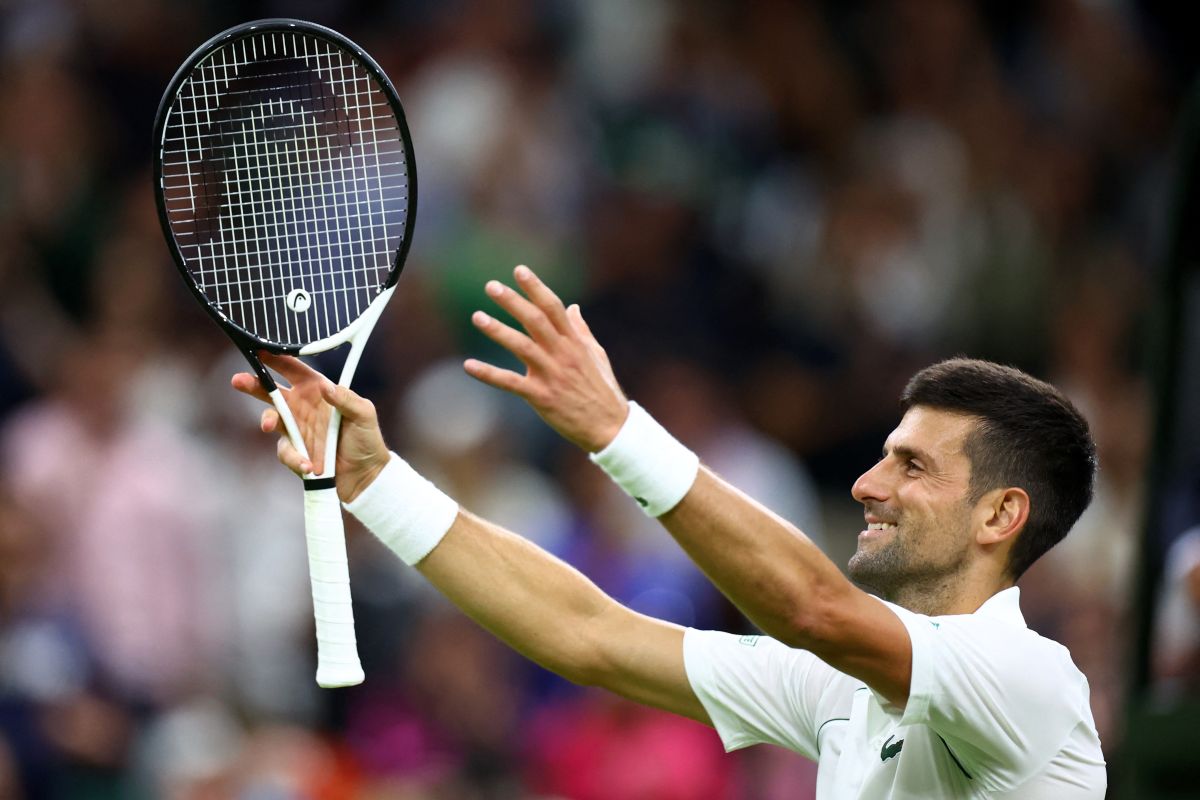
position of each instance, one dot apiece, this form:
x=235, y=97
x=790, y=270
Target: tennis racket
x=286, y=189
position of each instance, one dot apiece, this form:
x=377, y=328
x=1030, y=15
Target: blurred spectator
x=445, y=718
x=59, y=720
x=116, y=491
x=1177, y=634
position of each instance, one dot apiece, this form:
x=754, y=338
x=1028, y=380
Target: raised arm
x=539, y=605
x=552, y=614
x=762, y=563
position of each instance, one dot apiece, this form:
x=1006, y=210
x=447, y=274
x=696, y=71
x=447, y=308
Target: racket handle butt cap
x=337, y=676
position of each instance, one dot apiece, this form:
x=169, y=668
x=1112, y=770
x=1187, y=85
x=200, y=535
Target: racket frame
x=338, y=663
x=246, y=341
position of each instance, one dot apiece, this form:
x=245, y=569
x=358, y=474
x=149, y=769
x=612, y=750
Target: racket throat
x=260, y=371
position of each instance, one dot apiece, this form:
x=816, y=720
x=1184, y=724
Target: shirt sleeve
x=1003, y=699
x=756, y=689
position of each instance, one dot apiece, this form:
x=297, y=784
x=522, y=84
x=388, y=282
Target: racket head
x=285, y=183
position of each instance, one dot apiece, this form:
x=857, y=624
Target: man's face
x=916, y=504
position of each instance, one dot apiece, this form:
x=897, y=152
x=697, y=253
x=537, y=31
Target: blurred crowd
x=772, y=212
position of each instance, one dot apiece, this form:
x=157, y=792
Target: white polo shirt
x=994, y=710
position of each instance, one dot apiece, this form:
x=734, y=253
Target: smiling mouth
x=875, y=530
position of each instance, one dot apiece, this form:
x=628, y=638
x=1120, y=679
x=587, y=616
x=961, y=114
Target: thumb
x=353, y=407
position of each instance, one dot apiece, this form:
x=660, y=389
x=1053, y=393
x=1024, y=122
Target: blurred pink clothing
x=597, y=747
x=127, y=520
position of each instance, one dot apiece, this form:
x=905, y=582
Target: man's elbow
x=588, y=650
x=578, y=661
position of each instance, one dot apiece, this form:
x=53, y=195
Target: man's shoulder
x=995, y=638
x=1029, y=655
x=1012, y=632
x=1007, y=699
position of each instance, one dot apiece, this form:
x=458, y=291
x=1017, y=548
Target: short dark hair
x=1029, y=436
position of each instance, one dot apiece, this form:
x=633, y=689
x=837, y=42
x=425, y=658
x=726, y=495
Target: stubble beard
x=900, y=573
x=885, y=567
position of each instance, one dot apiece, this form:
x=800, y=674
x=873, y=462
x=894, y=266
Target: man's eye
x=912, y=466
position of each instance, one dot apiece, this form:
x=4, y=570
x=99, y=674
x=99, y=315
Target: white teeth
x=880, y=526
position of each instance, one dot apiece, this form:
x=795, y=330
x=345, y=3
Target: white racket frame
x=328, y=569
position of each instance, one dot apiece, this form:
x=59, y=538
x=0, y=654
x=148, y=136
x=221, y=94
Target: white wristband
x=407, y=512
x=651, y=465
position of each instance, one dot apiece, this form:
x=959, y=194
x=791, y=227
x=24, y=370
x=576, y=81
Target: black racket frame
x=246, y=341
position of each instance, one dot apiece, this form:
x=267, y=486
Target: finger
x=248, y=384
x=492, y=375
x=290, y=457
x=269, y=422
x=532, y=318
x=579, y=325
x=290, y=367
x=575, y=315
x=512, y=340
x=354, y=407
x=543, y=297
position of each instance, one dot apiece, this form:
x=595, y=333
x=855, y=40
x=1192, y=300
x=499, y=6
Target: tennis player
x=933, y=688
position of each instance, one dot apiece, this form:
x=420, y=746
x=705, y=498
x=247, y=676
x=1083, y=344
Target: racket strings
x=286, y=187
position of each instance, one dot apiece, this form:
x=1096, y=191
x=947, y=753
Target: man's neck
x=955, y=595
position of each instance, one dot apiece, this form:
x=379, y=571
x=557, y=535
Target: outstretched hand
x=568, y=380
x=361, y=452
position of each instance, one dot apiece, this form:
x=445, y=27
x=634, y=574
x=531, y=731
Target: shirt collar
x=1004, y=605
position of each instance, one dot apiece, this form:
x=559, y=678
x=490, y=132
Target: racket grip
x=337, y=650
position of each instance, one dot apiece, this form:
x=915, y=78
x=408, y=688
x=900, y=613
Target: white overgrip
x=329, y=574
x=337, y=651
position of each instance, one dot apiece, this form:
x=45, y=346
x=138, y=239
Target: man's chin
x=864, y=568
x=855, y=567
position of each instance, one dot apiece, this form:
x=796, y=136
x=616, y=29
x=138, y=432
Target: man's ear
x=1001, y=515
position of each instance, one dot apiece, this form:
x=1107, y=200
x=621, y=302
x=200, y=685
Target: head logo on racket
x=299, y=300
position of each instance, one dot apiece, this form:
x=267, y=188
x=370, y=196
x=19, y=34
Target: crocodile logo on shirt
x=890, y=750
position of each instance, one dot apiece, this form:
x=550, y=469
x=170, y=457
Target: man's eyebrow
x=907, y=451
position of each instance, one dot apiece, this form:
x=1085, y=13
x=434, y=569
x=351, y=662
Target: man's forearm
x=788, y=587
x=539, y=605
x=767, y=567
x=551, y=613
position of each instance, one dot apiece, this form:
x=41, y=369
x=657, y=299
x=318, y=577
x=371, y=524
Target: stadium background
x=771, y=212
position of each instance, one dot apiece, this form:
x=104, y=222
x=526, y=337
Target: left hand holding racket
x=361, y=452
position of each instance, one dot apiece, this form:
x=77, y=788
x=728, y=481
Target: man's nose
x=871, y=485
